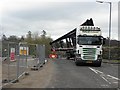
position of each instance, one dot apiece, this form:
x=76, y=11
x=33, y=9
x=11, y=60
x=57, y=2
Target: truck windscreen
x=89, y=40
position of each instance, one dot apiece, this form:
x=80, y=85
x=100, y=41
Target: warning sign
x=23, y=50
x=12, y=54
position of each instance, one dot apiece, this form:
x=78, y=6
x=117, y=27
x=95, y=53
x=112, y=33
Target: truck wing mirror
x=104, y=39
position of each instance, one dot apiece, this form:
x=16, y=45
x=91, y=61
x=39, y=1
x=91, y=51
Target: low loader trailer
x=84, y=44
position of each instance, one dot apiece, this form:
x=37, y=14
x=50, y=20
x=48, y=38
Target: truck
x=84, y=44
x=89, y=43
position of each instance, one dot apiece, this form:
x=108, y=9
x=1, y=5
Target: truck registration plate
x=89, y=62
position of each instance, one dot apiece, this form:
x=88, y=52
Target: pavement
x=35, y=79
x=61, y=73
x=111, y=61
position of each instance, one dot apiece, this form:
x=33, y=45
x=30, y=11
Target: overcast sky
x=56, y=18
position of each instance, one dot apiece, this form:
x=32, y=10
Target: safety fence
x=18, y=58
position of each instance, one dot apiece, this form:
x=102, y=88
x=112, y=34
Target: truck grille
x=89, y=53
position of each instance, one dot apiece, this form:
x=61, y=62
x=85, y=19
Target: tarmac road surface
x=68, y=75
x=61, y=73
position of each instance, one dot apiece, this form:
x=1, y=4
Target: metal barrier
x=17, y=58
x=39, y=57
x=10, y=58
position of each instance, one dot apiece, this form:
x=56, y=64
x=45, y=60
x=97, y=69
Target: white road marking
x=99, y=71
x=113, y=77
x=93, y=70
x=115, y=82
x=102, y=75
x=105, y=85
x=106, y=80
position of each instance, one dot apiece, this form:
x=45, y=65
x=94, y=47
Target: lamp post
x=110, y=3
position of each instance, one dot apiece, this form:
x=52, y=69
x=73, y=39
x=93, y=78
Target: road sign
x=24, y=50
x=12, y=54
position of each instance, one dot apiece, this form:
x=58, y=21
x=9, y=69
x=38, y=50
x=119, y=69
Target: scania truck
x=89, y=43
x=84, y=44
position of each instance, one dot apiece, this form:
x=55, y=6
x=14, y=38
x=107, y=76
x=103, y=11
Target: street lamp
x=110, y=3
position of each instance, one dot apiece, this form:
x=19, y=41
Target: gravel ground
x=9, y=70
x=43, y=78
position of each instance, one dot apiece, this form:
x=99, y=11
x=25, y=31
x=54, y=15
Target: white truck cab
x=89, y=42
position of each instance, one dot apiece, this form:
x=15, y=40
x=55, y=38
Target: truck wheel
x=76, y=63
x=68, y=58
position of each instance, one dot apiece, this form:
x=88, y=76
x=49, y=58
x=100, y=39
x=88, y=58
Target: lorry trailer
x=83, y=43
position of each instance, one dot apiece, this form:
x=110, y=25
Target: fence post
x=26, y=55
x=18, y=61
x=8, y=62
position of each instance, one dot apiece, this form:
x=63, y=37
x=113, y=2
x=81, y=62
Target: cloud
x=57, y=18
x=52, y=11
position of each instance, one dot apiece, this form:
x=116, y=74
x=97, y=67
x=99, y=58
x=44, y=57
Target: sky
x=57, y=18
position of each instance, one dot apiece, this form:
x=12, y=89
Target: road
x=61, y=73
x=67, y=75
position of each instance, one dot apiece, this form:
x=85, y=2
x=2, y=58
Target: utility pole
x=110, y=3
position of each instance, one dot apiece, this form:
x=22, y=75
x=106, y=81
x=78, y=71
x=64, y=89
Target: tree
x=4, y=38
x=22, y=38
x=45, y=41
x=35, y=35
x=41, y=40
x=43, y=33
x=13, y=38
x=29, y=37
